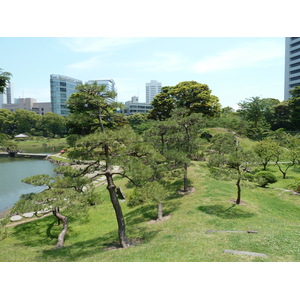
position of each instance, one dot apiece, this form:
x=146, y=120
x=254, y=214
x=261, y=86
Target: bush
x=263, y=178
x=249, y=177
x=296, y=185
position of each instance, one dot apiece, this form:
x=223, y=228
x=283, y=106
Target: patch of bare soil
x=157, y=221
x=189, y=190
x=234, y=202
x=116, y=246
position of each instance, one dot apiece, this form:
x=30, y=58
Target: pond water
x=13, y=170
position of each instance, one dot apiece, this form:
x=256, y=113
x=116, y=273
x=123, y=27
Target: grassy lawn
x=274, y=213
x=41, y=141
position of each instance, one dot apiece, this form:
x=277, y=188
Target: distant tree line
x=28, y=122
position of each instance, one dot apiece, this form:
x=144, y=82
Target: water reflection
x=13, y=170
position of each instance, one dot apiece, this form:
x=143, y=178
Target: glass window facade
x=61, y=88
x=292, y=65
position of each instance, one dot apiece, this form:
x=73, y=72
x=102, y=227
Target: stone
x=45, y=211
x=245, y=253
x=232, y=231
x=16, y=218
x=28, y=215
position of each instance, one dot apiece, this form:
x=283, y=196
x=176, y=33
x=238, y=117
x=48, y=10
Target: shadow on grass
x=232, y=212
x=37, y=233
x=83, y=250
x=43, y=234
x=149, y=212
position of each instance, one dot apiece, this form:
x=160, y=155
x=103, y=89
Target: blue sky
x=235, y=68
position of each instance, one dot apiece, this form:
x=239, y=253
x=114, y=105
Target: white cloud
x=247, y=55
x=95, y=44
x=167, y=62
x=90, y=63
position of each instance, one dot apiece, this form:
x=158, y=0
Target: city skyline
x=234, y=68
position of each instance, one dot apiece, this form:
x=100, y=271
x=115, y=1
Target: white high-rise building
x=7, y=96
x=2, y=100
x=152, y=89
x=61, y=88
x=109, y=84
x=292, y=65
x=9, y=93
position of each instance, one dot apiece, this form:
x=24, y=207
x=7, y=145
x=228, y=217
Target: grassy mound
x=188, y=234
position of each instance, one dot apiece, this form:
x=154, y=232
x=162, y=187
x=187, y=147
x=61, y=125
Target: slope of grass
x=41, y=141
x=182, y=237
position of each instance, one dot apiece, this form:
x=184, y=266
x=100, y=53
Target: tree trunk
x=185, y=179
x=113, y=193
x=159, y=211
x=61, y=236
x=118, y=210
x=238, y=200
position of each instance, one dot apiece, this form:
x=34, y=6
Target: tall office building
x=152, y=89
x=2, y=100
x=292, y=65
x=61, y=87
x=109, y=84
x=7, y=96
x=9, y=93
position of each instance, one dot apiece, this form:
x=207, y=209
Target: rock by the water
x=28, y=215
x=16, y=218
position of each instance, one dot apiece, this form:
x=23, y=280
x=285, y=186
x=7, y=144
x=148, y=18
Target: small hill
x=199, y=227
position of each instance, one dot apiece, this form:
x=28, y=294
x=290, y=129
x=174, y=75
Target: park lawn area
x=183, y=236
x=41, y=141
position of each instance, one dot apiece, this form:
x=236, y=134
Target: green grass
x=41, y=141
x=182, y=237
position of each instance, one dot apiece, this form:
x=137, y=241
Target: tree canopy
x=4, y=79
x=194, y=96
x=87, y=104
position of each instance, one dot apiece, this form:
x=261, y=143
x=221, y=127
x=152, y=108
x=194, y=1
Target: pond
x=13, y=170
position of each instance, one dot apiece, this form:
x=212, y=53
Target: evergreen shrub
x=263, y=178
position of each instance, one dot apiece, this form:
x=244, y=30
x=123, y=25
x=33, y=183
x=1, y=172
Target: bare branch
x=130, y=179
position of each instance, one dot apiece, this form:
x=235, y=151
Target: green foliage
x=7, y=125
x=266, y=150
x=150, y=192
x=296, y=185
x=265, y=178
x=4, y=79
x=232, y=122
x=90, y=108
x=249, y=177
x=10, y=146
x=191, y=95
x=52, y=125
x=3, y=139
x=72, y=139
x=39, y=180
x=26, y=121
x=294, y=107
x=257, y=110
x=163, y=103
x=26, y=203
x=224, y=143
x=137, y=119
